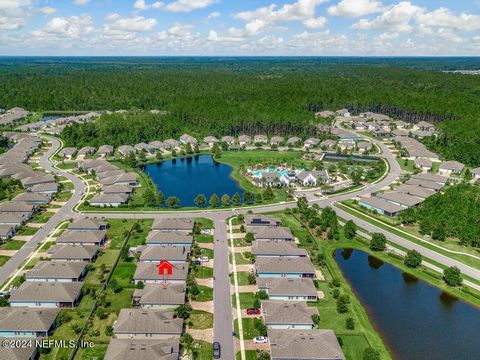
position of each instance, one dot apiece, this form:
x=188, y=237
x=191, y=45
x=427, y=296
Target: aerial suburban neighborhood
x=239, y=180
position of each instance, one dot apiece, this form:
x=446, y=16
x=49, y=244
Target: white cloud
x=59, y=28
x=315, y=23
x=355, y=8
x=443, y=17
x=213, y=15
x=47, y=10
x=14, y=14
x=140, y=5
x=81, y=2
x=188, y=5
x=394, y=18
x=129, y=24
x=213, y=36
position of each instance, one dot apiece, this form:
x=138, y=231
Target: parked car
x=260, y=340
x=216, y=350
x=253, y=311
x=203, y=259
x=197, y=262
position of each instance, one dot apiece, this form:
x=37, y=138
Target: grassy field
x=3, y=259
x=240, y=259
x=41, y=217
x=242, y=277
x=206, y=293
x=249, y=330
x=204, y=350
x=247, y=300
x=27, y=231
x=204, y=272
x=204, y=239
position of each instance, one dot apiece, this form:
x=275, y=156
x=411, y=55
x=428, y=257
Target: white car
x=260, y=340
x=203, y=259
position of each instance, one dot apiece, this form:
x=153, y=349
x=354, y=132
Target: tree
x=183, y=311
x=452, y=276
x=316, y=319
x=378, y=242
x=252, y=280
x=160, y=198
x=174, y=153
x=258, y=198
x=268, y=194
x=225, y=200
x=173, y=202
x=438, y=233
x=188, y=148
x=236, y=200
x=256, y=303
x=408, y=216
x=413, y=259
x=158, y=155
x=249, y=237
x=262, y=295
x=350, y=323
x=200, y=200
x=350, y=229
x=467, y=176
x=214, y=200
x=131, y=160
x=370, y=354
x=248, y=197
x=149, y=197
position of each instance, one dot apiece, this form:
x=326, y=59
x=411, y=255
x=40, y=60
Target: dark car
x=197, y=262
x=253, y=311
x=216, y=350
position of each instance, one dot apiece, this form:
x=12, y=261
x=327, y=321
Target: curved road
x=222, y=298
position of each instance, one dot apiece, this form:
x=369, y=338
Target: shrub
x=413, y=259
x=378, y=242
x=452, y=276
x=350, y=323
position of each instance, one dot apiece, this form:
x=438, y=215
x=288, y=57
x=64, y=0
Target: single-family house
x=448, y=168
x=128, y=349
x=288, y=314
x=328, y=144
x=147, y=273
x=154, y=296
x=171, y=143
x=67, y=152
x=210, y=140
x=82, y=237
x=18, y=207
x=118, y=189
x=144, y=147
x=15, y=219
x=293, y=344
x=299, y=267
x=19, y=353
x=229, y=140
x=179, y=224
x=57, y=271
x=424, y=126
x=476, y=173
x=313, y=178
x=311, y=142
x=270, y=248
x=84, y=151
x=244, y=140
x=364, y=146
x=87, y=224
x=277, y=140
x=171, y=253
x=325, y=114
x=423, y=164
x=32, y=198
x=188, y=139
x=293, y=141
x=293, y=289
x=276, y=233
x=260, y=139
x=343, y=112
x=402, y=199
x=107, y=200
x=75, y=253
x=26, y=322
x=169, y=238
x=417, y=191
x=381, y=206
x=261, y=220
x=47, y=294
x=147, y=324
x=157, y=145
x=125, y=150
x=104, y=151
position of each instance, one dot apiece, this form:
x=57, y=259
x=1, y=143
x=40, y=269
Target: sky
x=240, y=27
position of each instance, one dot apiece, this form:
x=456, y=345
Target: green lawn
x=240, y=242
x=96, y=352
x=27, y=231
x=205, y=239
x=249, y=355
x=12, y=245
x=242, y=277
x=63, y=196
x=249, y=330
x=240, y=259
x=247, y=300
x=205, y=223
x=124, y=272
x=117, y=230
x=200, y=320
x=204, y=350
x=41, y=217
x=4, y=259
x=206, y=252
x=206, y=293
x=204, y=272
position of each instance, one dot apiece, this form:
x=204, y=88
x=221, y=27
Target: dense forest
x=232, y=95
x=454, y=213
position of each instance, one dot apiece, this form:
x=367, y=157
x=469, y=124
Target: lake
x=187, y=177
x=416, y=320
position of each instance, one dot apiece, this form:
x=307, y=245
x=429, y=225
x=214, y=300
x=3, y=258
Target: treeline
x=229, y=96
x=454, y=213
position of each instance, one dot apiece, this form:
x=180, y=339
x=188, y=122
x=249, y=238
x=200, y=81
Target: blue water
x=185, y=178
x=416, y=320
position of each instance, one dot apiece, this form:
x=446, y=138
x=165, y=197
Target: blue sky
x=247, y=27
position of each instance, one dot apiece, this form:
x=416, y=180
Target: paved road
x=63, y=214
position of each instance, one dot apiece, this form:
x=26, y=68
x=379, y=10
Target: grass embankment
x=429, y=244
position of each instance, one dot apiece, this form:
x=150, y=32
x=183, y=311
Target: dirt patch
x=202, y=305
x=203, y=335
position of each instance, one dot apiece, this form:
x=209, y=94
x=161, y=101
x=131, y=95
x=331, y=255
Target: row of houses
x=40, y=187
x=284, y=271
x=412, y=193
x=55, y=125
x=151, y=329
x=13, y=115
x=116, y=185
